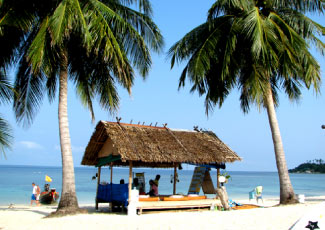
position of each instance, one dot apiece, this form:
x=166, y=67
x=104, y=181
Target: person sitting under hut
x=153, y=189
x=136, y=184
x=156, y=181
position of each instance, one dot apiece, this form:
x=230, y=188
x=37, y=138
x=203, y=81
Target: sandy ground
x=20, y=217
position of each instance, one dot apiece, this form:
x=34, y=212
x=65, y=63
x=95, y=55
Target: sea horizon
x=126, y=168
x=16, y=181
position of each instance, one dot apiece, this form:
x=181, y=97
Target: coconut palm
x=94, y=44
x=259, y=47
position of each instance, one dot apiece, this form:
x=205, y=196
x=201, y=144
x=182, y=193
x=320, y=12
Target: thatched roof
x=155, y=146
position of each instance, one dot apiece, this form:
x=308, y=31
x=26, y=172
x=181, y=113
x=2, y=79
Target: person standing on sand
x=35, y=195
x=38, y=194
x=33, y=199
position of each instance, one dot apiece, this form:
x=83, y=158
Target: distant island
x=314, y=166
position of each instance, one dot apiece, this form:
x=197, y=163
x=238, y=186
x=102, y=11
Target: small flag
x=48, y=179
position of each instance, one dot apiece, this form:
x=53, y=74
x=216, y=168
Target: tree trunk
x=223, y=196
x=68, y=202
x=287, y=194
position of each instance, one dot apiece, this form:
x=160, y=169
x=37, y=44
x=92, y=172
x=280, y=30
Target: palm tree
x=93, y=43
x=259, y=46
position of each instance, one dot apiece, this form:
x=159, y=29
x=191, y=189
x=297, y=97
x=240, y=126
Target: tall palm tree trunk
x=68, y=201
x=287, y=194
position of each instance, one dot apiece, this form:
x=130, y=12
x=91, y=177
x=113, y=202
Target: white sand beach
x=270, y=217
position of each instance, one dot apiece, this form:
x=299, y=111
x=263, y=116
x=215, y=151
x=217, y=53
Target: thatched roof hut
x=148, y=146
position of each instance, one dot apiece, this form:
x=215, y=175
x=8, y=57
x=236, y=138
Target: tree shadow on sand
x=30, y=209
x=103, y=210
x=50, y=211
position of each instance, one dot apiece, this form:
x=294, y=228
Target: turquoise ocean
x=16, y=182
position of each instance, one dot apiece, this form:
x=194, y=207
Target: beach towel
x=233, y=204
x=251, y=194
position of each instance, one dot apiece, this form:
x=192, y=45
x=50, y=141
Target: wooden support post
x=130, y=181
x=98, y=181
x=218, y=174
x=111, y=203
x=111, y=172
x=175, y=178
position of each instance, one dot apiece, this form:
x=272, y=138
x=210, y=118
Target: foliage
x=226, y=175
x=110, y=36
x=317, y=167
x=15, y=20
x=6, y=93
x=5, y=136
x=249, y=45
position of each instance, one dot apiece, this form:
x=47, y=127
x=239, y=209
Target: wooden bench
x=186, y=204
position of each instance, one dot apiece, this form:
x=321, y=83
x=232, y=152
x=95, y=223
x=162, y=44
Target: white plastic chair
x=258, y=193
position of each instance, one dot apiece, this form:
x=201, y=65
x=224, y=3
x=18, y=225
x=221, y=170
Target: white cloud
x=30, y=145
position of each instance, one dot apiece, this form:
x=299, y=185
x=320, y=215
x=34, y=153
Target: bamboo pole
x=98, y=181
x=111, y=203
x=111, y=172
x=218, y=174
x=175, y=173
x=130, y=180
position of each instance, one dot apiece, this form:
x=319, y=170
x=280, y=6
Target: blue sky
x=157, y=99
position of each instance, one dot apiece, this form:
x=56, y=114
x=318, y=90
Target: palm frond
x=305, y=27
x=303, y=6
x=228, y=7
x=10, y=41
x=112, y=50
x=253, y=26
x=80, y=23
x=129, y=30
x=143, y=5
x=15, y=14
x=36, y=48
x=29, y=95
x=144, y=25
x=5, y=136
x=6, y=90
x=60, y=22
x=95, y=78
